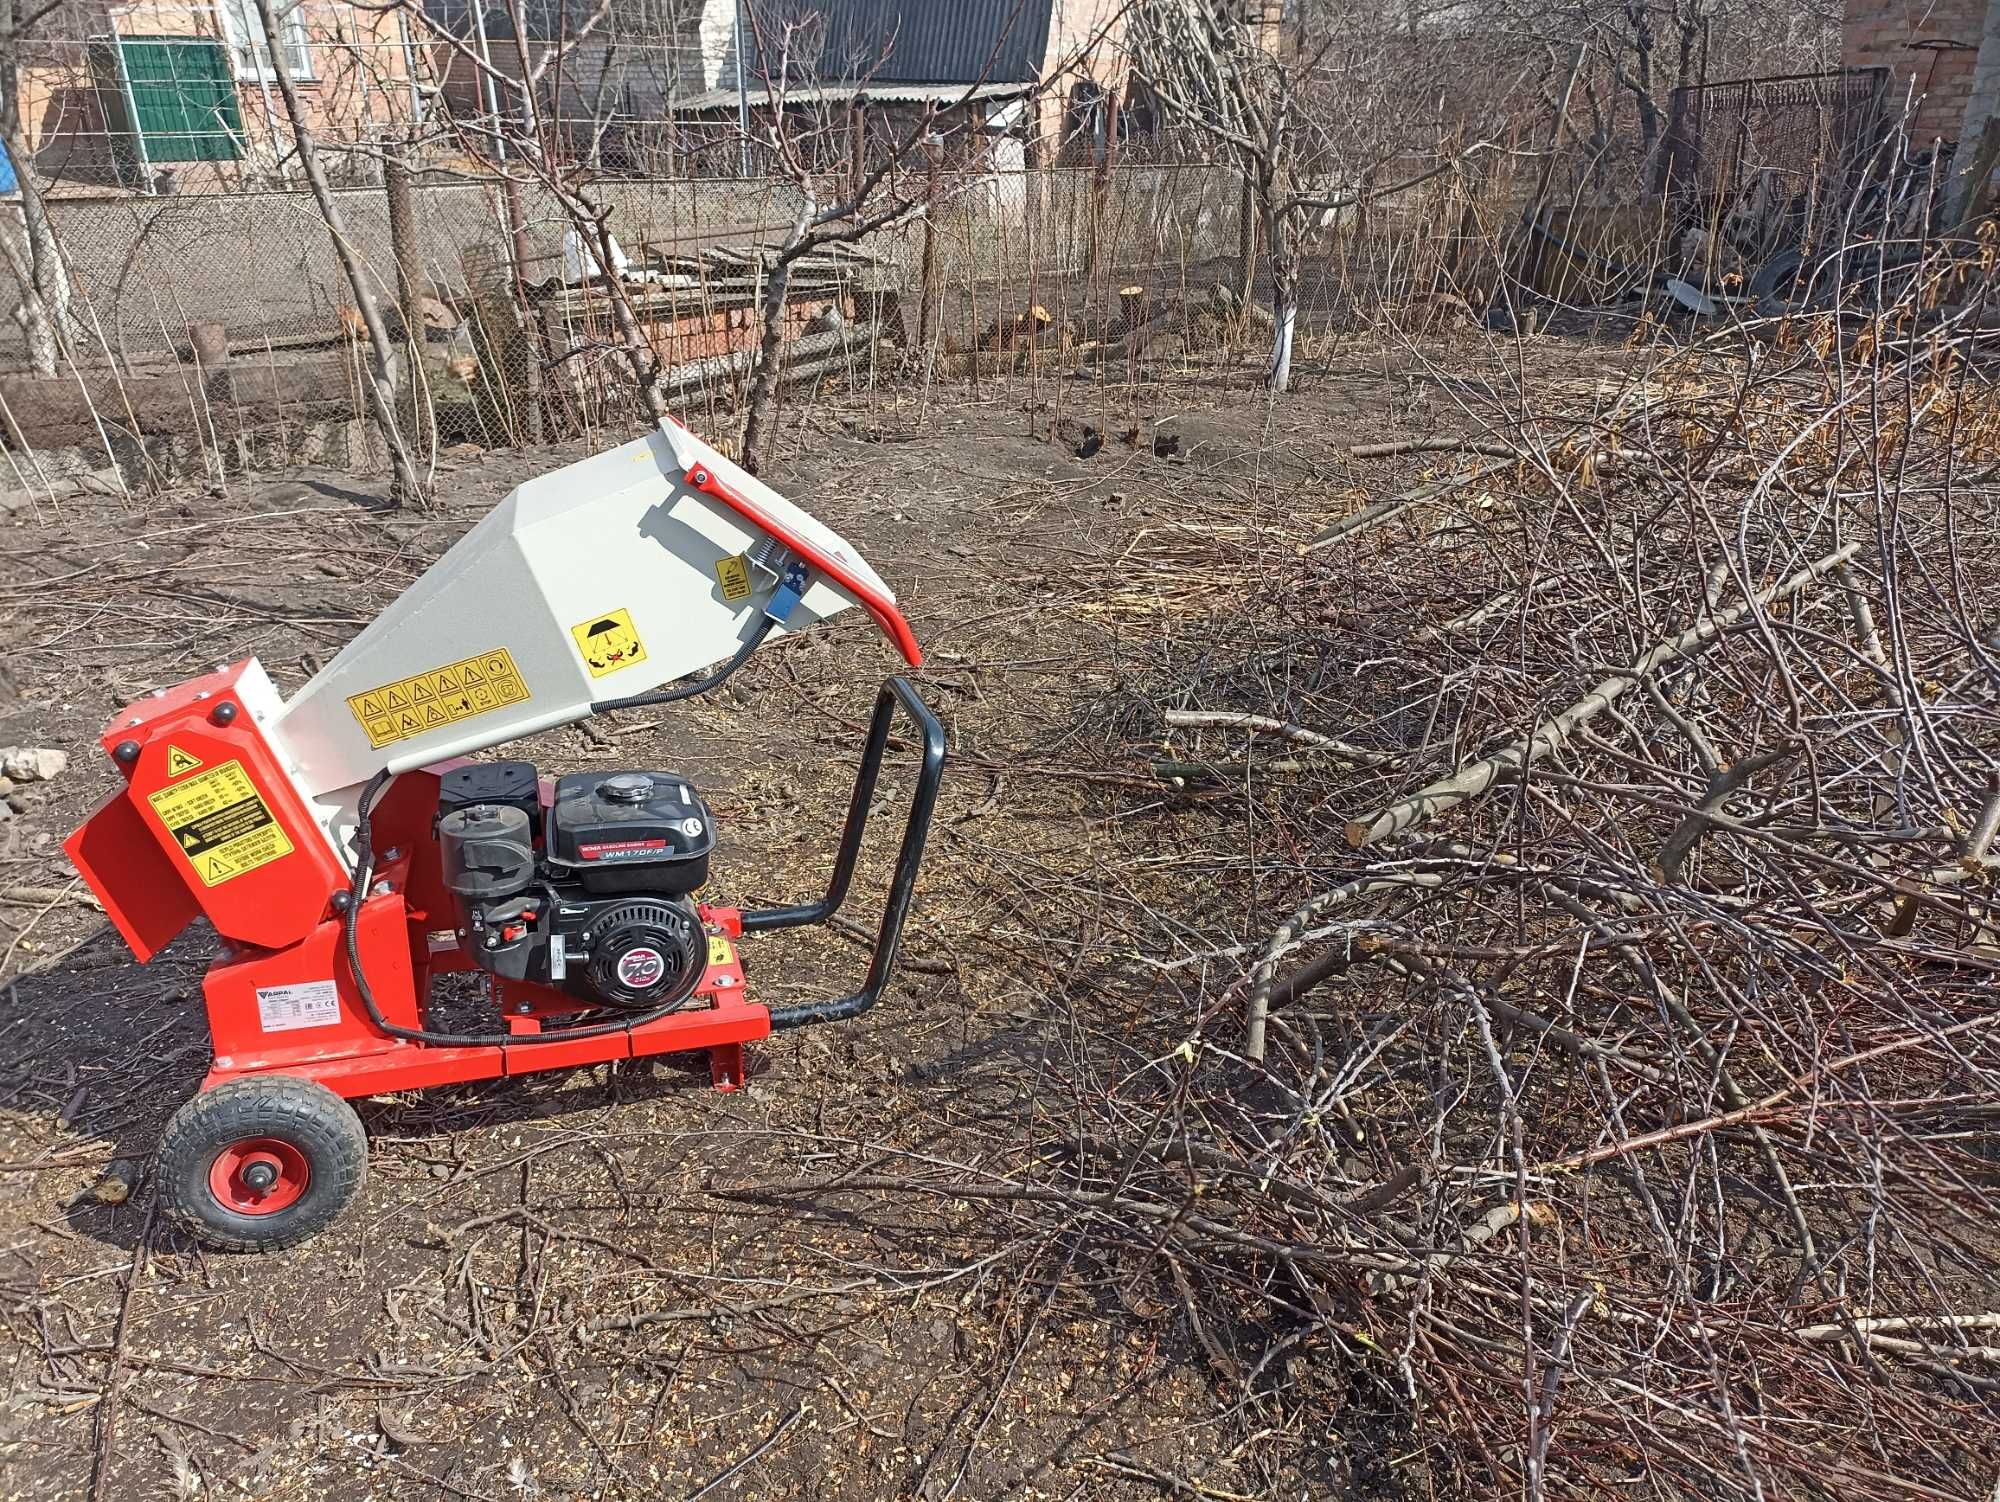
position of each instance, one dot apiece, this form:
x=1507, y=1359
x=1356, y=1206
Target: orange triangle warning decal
x=179, y=761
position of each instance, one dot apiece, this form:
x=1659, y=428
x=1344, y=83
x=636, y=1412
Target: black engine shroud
x=588, y=889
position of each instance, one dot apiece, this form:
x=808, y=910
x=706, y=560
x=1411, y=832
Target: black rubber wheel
x=260, y=1163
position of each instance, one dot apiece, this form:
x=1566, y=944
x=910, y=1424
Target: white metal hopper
x=598, y=581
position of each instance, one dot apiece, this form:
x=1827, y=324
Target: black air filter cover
x=630, y=832
x=511, y=784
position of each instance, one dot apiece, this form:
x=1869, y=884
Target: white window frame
x=240, y=26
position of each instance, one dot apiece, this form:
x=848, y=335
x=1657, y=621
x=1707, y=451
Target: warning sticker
x=180, y=762
x=311, y=1003
x=221, y=823
x=443, y=696
x=719, y=952
x=733, y=574
x=608, y=642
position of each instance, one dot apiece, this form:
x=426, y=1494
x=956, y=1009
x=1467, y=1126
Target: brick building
x=180, y=95
x=1930, y=48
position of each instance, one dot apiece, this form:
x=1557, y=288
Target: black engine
x=590, y=894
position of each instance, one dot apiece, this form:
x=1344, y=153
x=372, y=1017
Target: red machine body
x=333, y=947
x=208, y=826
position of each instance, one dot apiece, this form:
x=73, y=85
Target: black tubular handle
x=923, y=802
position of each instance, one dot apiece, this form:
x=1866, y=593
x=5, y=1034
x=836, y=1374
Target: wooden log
x=210, y=343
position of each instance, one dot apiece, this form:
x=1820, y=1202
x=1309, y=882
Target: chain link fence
x=520, y=340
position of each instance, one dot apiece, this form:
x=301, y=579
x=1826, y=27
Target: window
x=245, y=29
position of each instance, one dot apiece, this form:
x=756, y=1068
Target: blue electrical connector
x=791, y=588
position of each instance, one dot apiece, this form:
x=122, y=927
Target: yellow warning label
x=719, y=952
x=608, y=642
x=179, y=761
x=221, y=823
x=443, y=696
x=733, y=574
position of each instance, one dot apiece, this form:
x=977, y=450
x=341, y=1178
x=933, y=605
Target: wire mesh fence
x=515, y=334
x=519, y=338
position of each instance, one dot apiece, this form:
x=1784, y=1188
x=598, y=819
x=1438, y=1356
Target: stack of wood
x=724, y=278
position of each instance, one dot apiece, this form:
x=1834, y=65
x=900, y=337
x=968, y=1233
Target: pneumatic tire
x=260, y=1163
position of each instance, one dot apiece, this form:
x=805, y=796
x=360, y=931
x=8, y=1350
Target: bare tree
x=380, y=384
x=27, y=240
x=1207, y=67
x=833, y=207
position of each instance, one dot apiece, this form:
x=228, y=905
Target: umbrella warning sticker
x=221, y=823
x=429, y=701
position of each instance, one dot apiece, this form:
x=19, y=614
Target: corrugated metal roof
x=893, y=93
x=908, y=41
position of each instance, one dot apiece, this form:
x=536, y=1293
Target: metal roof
x=831, y=41
x=905, y=93
x=904, y=41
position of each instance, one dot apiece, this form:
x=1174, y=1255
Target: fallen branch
x=1372, y=516
x=1474, y=778
x=1434, y=446
x=1298, y=735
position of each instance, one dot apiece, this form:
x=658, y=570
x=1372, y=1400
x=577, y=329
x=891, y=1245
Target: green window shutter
x=185, y=99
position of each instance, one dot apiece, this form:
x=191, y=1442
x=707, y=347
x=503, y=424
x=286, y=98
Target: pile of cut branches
x=1611, y=1091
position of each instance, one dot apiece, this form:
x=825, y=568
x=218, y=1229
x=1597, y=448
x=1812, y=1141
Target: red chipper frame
x=331, y=891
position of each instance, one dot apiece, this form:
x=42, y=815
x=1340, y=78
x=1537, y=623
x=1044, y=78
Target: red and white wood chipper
x=347, y=854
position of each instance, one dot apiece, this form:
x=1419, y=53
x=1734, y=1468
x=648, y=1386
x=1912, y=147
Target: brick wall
x=1929, y=49
x=356, y=88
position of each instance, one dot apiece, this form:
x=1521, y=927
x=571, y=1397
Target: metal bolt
x=381, y=888
x=201, y=693
x=393, y=853
x=131, y=722
x=524, y=1008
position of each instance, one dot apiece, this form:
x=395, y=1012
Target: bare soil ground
x=619, y=1284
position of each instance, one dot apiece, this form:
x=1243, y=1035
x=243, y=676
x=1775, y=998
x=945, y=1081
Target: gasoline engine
x=592, y=896
x=348, y=854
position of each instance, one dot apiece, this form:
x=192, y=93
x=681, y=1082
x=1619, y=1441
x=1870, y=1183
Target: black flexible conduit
x=701, y=685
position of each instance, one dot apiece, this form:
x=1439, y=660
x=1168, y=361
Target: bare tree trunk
x=30, y=251
x=764, y=381
x=1284, y=303
x=403, y=242
x=409, y=291
x=407, y=486
x=1246, y=241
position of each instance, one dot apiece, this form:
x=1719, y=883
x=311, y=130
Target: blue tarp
x=7, y=183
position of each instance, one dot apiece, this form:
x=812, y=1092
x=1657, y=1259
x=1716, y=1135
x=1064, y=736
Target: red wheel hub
x=258, y=1176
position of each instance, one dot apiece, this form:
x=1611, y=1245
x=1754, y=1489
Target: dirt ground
x=620, y=1284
